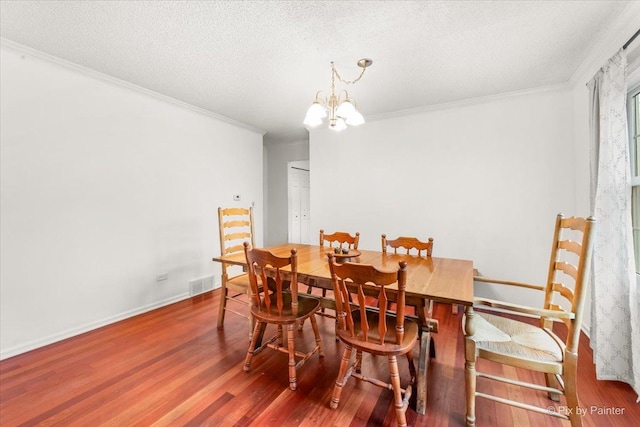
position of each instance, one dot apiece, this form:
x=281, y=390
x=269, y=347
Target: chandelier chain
x=348, y=82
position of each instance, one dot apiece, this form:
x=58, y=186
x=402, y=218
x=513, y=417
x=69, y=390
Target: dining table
x=443, y=280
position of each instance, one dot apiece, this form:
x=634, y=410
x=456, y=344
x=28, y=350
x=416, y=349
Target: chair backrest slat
x=564, y=291
x=567, y=268
x=237, y=236
x=570, y=246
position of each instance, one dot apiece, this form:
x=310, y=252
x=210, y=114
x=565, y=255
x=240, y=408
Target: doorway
x=298, y=195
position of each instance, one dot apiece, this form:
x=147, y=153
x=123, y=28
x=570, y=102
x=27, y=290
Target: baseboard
x=32, y=345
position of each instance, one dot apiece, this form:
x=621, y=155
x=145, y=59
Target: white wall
x=278, y=155
x=484, y=178
x=103, y=188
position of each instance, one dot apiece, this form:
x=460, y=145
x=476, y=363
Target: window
x=634, y=139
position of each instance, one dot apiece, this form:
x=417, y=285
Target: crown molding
x=468, y=102
x=612, y=41
x=25, y=50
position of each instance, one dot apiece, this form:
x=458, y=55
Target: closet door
x=299, y=212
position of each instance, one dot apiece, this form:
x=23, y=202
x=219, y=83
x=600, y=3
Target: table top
x=440, y=279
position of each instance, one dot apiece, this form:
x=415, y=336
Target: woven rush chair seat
x=499, y=334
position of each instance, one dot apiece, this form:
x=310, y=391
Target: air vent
x=201, y=285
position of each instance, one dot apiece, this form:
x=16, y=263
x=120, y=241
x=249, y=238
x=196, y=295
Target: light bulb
x=345, y=109
x=316, y=111
x=355, y=118
x=339, y=125
x=312, y=121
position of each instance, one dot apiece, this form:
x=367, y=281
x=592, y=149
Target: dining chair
x=276, y=301
x=372, y=330
x=409, y=244
x=236, y=227
x=339, y=239
x=413, y=246
x=536, y=347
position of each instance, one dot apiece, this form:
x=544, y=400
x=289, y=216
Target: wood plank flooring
x=173, y=367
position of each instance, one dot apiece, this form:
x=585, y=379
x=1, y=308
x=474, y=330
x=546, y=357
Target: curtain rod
x=633, y=37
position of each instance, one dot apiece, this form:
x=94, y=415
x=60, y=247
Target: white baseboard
x=32, y=345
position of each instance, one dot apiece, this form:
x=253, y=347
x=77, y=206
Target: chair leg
x=358, y=364
x=316, y=332
x=252, y=321
x=342, y=377
x=324, y=295
x=470, y=390
x=293, y=384
x=397, y=392
x=223, y=302
x=553, y=383
x=252, y=346
x=280, y=336
x=412, y=367
x=570, y=388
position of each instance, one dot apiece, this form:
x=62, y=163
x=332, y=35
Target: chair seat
x=306, y=307
x=390, y=346
x=510, y=337
x=240, y=281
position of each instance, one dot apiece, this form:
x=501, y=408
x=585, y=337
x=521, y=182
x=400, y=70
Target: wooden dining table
x=442, y=280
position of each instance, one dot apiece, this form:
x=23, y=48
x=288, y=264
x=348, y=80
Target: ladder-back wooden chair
x=537, y=348
x=373, y=330
x=236, y=227
x=276, y=301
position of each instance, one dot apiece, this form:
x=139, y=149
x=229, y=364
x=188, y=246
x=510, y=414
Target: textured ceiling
x=261, y=63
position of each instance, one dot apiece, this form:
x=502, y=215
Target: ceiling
x=261, y=62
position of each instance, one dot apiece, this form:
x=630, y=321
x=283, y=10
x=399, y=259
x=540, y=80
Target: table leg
x=423, y=365
x=423, y=360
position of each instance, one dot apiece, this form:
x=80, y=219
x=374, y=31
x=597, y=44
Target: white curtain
x=615, y=323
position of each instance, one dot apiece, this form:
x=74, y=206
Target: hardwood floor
x=172, y=366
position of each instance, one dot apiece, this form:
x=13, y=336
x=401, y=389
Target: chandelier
x=341, y=109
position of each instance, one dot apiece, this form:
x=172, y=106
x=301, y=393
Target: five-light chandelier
x=341, y=109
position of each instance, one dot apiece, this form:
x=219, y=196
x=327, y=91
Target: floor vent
x=198, y=286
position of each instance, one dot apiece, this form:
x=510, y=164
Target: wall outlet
x=236, y=197
x=162, y=276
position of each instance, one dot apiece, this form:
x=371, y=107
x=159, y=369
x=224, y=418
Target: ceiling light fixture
x=341, y=109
